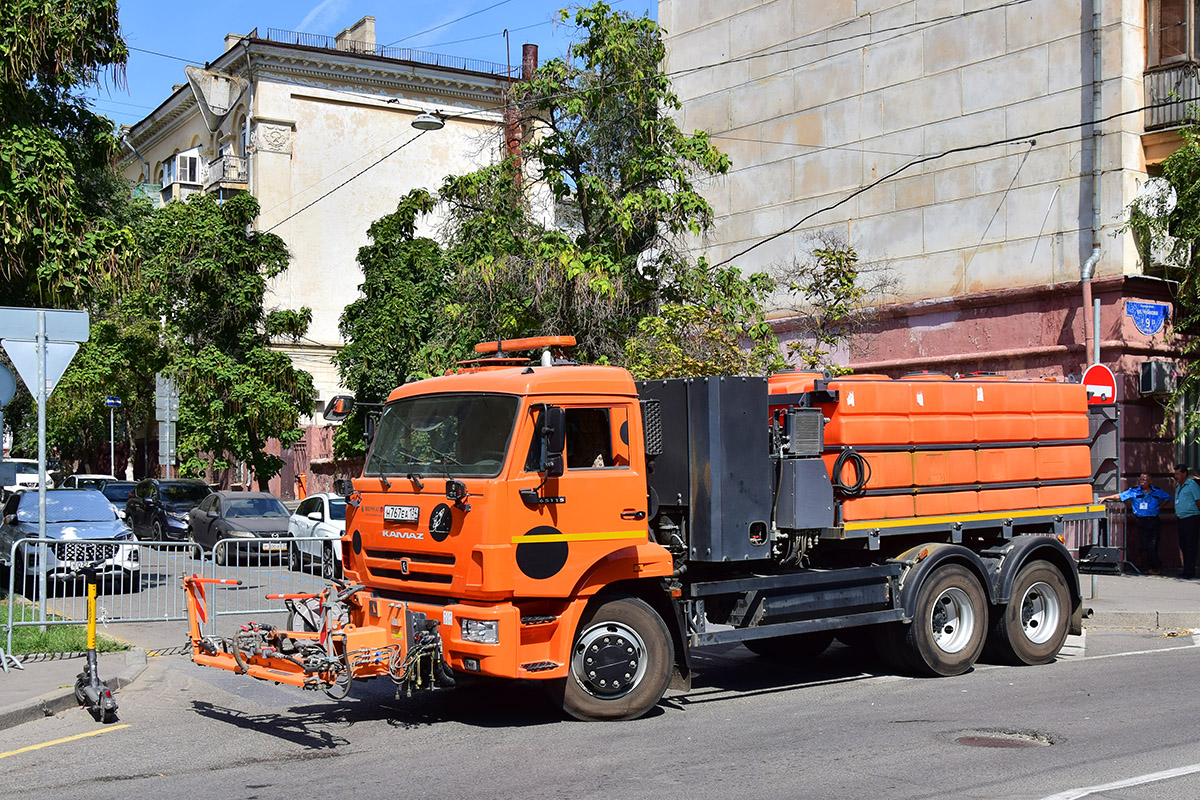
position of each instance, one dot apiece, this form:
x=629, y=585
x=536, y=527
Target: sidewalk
x=45, y=685
x=1142, y=601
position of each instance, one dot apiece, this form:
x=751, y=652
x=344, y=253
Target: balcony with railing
x=1172, y=95
x=229, y=172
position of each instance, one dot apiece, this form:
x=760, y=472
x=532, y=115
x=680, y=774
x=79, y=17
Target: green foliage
x=603, y=149
x=1177, y=232
x=205, y=273
x=714, y=325
x=404, y=280
x=57, y=243
x=831, y=293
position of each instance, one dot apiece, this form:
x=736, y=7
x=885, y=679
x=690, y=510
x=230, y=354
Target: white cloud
x=322, y=14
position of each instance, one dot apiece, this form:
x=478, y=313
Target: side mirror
x=455, y=490
x=339, y=408
x=554, y=440
x=315, y=516
x=343, y=486
x=211, y=514
x=11, y=519
x=554, y=428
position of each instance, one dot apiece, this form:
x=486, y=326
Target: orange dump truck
x=558, y=522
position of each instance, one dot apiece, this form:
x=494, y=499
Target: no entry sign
x=1100, y=384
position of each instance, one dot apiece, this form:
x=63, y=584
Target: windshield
x=337, y=509
x=118, y=492
x=90, y=483
x=447, y=434
x=255, y=507
x=67, y=505
x=183, y=492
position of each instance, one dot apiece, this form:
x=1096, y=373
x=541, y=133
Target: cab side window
x=594, y=438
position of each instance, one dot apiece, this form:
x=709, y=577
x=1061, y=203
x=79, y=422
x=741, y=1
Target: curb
x=51, y=703
x=1147, y=620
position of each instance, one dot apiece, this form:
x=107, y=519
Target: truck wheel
x=1031, y=629
x=946, y=635
x=793, y=647
x=620, y=664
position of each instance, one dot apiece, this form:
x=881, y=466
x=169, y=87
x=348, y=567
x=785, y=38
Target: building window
x=1172, y=32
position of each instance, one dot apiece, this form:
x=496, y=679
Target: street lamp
x=428, y=122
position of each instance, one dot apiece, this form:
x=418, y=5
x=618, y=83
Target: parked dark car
x=73, y=517
x=118, y=493
x=256, y=519
x=158, y=508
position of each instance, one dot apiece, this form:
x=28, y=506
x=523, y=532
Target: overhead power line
x=447, y=24
x=1031, y=138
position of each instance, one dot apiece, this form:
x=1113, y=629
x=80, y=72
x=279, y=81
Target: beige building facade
x=291, y=117
x=953, y=141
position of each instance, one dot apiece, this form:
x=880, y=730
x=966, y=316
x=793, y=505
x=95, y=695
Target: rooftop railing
x=397, y=53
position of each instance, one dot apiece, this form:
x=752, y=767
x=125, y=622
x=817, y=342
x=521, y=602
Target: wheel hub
x=609, y=660
x=1040, y=613
x=952, y=620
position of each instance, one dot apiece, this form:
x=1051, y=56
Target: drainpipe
x=249, y=114
x=1089, y=266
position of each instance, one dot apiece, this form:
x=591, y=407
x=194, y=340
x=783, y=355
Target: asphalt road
x=1117, y=708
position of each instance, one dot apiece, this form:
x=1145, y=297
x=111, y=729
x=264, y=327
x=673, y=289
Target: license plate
x=272, y=545
x=401, y=513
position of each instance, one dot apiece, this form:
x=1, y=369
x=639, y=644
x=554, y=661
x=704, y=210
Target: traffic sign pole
x=41, y=405
x=112, y=448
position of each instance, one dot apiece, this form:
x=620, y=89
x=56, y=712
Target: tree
x=693, y=336
x=604, y=151
x=831, y=296
x=58, y=243
x=1173, y=228
x=404, y=279
x=205, y=273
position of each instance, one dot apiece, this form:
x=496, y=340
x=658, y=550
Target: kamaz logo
x=404, y=534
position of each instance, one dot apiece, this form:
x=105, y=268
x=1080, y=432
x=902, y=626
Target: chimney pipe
x=529, y=60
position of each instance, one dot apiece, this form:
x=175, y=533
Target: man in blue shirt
x=1187, y=509
x=1147, y=500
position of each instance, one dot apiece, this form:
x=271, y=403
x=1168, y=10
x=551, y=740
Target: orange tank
x=924, y=410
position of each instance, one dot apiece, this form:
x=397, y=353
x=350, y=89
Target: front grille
x=426, y=577
x=84, y=551
x=445, y=559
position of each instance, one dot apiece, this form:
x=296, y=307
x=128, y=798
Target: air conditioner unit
x=1157, y=378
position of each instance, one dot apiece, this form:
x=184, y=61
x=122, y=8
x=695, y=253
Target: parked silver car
x=74, y=517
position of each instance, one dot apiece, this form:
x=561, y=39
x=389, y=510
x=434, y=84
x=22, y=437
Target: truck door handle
x=629, y=513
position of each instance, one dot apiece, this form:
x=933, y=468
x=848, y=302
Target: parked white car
x=318, y=525
x=86, y=481
x=27, y=476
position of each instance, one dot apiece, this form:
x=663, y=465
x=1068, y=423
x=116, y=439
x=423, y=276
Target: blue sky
x=197, y=34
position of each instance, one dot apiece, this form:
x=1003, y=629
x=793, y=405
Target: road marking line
x=1144, y=652
x=62, y=741
x=1074, y=794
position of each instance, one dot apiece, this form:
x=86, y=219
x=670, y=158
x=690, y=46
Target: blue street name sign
x=1147, y=317
x=112, y=402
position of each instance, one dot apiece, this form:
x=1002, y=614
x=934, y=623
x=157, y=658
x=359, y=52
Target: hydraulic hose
x=862, y=473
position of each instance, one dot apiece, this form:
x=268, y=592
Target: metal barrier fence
x=143, y=581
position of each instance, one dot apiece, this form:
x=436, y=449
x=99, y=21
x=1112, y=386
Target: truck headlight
x=482, y=631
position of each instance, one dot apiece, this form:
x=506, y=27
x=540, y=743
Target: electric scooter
x=91, y=693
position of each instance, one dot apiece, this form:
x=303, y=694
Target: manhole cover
x=1004, y=739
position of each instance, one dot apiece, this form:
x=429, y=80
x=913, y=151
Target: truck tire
x=793, y=647
x=947, y=633
x=1031, y=629
x=620, y=665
